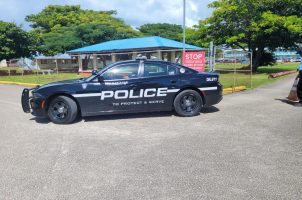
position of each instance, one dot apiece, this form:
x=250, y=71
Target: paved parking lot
x=247, y=147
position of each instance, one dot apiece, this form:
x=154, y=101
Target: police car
x=139, y=85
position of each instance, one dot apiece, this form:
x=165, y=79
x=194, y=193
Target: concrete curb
x=276, y=75
x=18, y=83
x=225, y=91
x=235, y=89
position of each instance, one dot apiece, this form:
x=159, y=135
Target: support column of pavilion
x=95, y=67
x=80, y=63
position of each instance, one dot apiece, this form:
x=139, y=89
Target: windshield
x=99, y=72
x=90, y=78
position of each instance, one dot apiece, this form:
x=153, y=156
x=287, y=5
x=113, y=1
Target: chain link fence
x=234, y=67
x=38, y=71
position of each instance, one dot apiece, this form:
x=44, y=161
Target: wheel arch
x=51, y=97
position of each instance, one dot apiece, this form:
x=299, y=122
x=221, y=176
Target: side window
x=172, y=70
x=125, y=71
x=154, y=69
x=158, y=69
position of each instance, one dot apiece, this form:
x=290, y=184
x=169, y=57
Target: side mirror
x=94, y=72
x=101, y=79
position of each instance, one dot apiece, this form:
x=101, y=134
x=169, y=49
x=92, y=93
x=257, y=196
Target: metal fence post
x=251, y=74
x=57, y=69
x=234, y=81
x=8, y=67
x=214, y=58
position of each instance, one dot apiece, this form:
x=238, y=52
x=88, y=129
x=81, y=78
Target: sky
x=133, y=12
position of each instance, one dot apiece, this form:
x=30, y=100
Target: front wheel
x=62, y=110
x=188, y=103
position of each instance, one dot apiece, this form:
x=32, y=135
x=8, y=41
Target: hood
x=61, y=83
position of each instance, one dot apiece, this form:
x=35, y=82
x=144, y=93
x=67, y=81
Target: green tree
x=170, y=31
x=62, y=28
x=196, y=35
x=256, y=26
x=14, y=41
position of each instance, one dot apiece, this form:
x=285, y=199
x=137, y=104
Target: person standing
x=299, y=86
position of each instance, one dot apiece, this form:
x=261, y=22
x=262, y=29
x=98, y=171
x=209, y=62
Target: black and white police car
x=139, y=85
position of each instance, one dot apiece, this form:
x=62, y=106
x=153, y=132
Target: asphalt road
x=247, y=147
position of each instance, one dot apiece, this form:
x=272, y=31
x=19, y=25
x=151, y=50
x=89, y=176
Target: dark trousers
x=299, y=86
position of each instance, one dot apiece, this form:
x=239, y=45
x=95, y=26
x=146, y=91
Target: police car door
x=119, y=91
x=162, y=82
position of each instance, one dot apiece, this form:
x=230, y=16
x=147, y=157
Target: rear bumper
x=32, y=105
x=214, y=96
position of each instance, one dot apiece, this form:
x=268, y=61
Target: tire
x=62, y=110
x=188, y=103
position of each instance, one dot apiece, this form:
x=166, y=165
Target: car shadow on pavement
x=45, y=120
x=127, y=116
x=205, y=110
x=289, y=102
x=209, y=109
x=41, y=120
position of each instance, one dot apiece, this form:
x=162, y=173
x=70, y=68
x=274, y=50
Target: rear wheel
x=188, y=103
x=62, y=110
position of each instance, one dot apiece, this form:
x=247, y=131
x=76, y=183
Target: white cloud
x=133, y=12
x=137, y=12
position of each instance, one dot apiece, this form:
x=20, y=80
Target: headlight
x=37, y=95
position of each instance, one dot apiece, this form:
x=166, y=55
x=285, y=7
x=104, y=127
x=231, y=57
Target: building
x=235, y=53
x=283, y=55
x=3, y=63
x=62, y=62
x=99, y=55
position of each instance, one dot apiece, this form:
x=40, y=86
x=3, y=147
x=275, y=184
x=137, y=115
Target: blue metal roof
x=154, y=42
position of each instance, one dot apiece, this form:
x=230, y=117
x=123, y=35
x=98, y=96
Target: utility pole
x=211, y=57
x=184, y=28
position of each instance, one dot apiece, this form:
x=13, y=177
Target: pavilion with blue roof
x=107, y=52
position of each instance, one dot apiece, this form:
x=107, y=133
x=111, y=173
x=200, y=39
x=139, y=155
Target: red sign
x=195, y=60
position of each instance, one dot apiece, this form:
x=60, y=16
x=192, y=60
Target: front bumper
x=31, y=104
x=25, y=99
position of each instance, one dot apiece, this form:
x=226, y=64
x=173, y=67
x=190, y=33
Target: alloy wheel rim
x=59, y=110
x=188, y=103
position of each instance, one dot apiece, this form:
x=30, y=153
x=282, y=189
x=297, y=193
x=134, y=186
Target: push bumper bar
x=26, y=100
x=32, y=103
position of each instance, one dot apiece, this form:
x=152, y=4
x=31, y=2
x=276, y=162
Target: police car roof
x=141, y=58
x=153, y=60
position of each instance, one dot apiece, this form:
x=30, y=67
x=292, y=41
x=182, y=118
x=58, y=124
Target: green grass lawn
x=18, y=70
x=40, y=79
x=11, y=68
x=259, y=78
x=227, y=79
x=280, y=67
x=268, y=69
